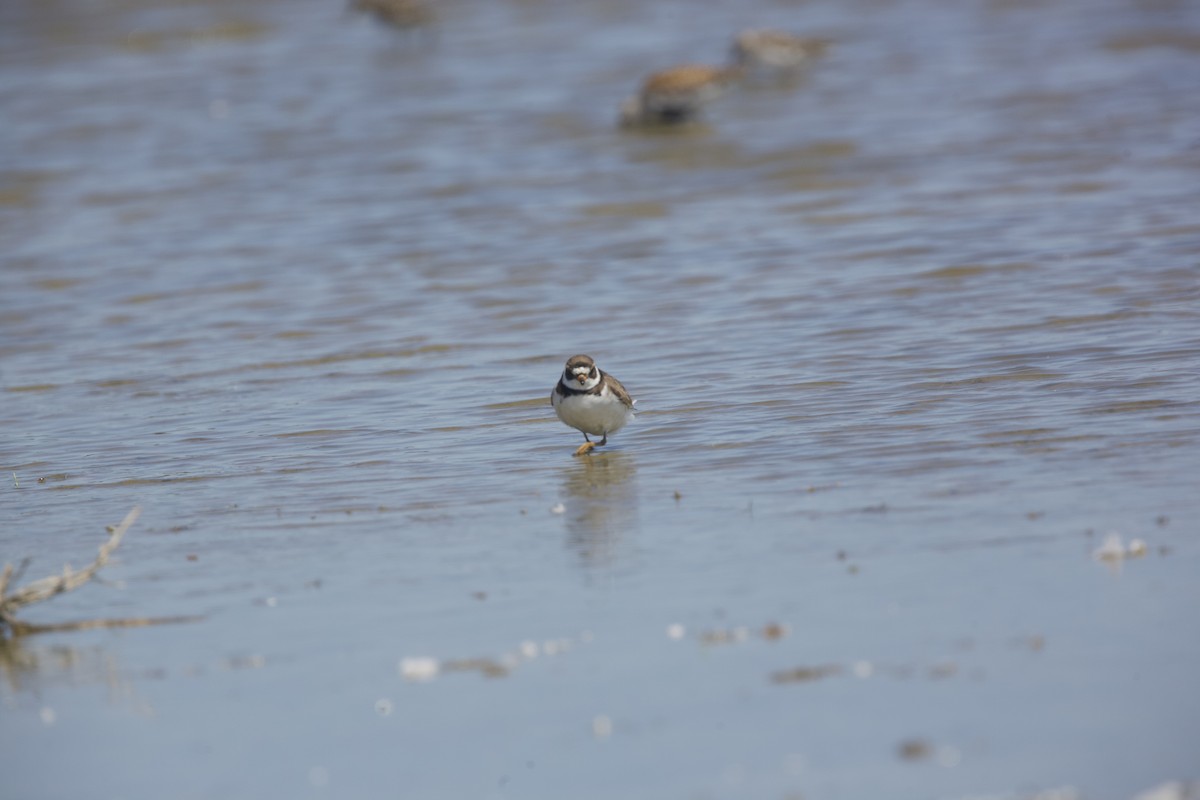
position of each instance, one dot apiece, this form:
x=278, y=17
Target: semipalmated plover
x=764, y=50
x=676, y=95
x=590, y=400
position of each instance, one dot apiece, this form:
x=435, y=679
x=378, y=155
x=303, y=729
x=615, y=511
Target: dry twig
x=69, y=580
x=45, y=588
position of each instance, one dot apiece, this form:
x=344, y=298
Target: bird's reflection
x=600, y=499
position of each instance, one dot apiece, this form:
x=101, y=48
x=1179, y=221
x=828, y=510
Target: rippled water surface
x=910, y=333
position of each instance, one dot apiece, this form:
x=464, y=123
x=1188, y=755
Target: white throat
x=569, y=378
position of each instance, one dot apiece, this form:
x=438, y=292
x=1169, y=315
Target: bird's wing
x=616, y=388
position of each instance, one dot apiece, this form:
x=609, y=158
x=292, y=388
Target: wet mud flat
x=908, y=509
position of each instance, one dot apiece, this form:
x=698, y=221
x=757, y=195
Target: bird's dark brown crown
x=574, y=362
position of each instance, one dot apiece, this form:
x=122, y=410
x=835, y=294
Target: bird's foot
x=585, y=448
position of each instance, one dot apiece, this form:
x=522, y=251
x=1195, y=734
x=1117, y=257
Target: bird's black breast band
x=567, y=391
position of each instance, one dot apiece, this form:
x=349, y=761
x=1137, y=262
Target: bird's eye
x=592, y=374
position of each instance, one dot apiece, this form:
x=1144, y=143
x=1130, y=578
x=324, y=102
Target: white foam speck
x=421, y=668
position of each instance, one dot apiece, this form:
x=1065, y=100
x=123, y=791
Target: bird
x=590, y=400
x=763, y=50
x=397, y=13
x=676, y=95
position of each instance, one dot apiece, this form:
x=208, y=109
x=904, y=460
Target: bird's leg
x=590, y=445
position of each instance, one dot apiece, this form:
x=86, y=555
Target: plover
x=763, y=50
x=676, y=95
x=590, y=400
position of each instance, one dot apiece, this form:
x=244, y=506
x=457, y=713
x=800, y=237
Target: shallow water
x=910, y=334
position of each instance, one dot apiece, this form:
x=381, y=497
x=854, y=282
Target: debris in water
x=805, y=674
x=1113, y=549
x=774, y=630
x=420, y=668
x=725, y=635
x=484, y=666
x=914, y=750
x=1035, y=643
x=771, y=631
x=426, y=668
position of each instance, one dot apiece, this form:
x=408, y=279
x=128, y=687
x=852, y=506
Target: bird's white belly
x=589, y=413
